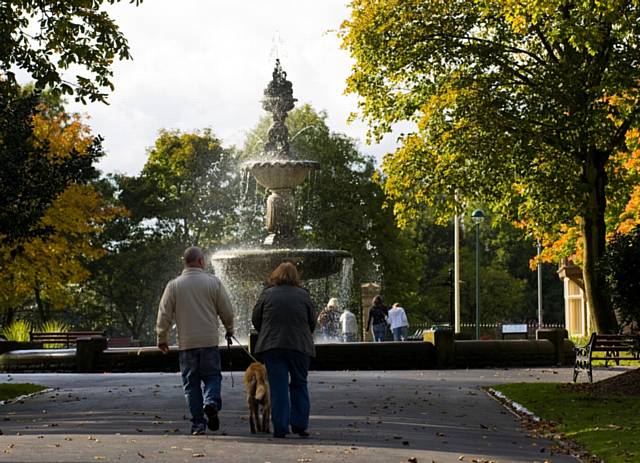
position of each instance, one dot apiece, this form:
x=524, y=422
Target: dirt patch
x=623, y=384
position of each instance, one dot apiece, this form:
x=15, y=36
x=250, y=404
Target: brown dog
x=256, y=386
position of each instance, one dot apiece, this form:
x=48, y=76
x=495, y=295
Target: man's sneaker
x=197, y=429
x=213, y=422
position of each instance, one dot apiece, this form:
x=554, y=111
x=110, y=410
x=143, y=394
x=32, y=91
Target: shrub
x=17, y=331
x=621, y=266
x=54, y=326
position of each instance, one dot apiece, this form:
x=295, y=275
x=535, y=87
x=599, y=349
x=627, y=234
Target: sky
x=205, y=63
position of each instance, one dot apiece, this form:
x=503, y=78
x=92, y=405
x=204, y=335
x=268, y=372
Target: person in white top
x=349, y=326
x=398, y=322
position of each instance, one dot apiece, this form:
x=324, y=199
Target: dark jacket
x=377, y=315
x=284, y=317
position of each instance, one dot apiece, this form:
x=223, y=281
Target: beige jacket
x=195, y=300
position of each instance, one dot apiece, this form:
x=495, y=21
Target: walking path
x=392, y=416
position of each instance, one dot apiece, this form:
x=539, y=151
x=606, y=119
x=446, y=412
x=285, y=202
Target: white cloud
x=204, y=63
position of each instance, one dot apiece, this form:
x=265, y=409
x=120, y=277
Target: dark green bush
x=621, y=265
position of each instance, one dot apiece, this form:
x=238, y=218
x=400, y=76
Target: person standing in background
x=377, y=319
x=349, y=325
x=329, y=320
x=398, y=322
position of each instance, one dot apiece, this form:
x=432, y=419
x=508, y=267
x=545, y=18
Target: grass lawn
x=11, y=390
x=608, y=428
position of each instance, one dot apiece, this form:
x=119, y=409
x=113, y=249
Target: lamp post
x=540, y=311
x=477, y=217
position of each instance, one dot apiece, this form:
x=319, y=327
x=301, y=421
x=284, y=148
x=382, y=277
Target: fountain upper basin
x=278, y=174
x=257, y=264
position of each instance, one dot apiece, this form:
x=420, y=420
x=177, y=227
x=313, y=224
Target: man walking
x=349, y=325
x=196, y=300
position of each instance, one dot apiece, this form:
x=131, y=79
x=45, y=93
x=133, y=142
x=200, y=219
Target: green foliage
x=621, y=265
x=520, y=105
x=129, y=281
x=17, y=331
x=345, y=182
x=187, y=194
x=606, y=428
x=188, y=186
x=30, y=178
x=13, y=390
x=45, y=39
x=54, y=326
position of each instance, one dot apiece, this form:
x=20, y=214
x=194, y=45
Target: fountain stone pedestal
x=279, y=172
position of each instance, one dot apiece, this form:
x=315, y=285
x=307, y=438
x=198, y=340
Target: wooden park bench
x=613, y=345
x=67, y=339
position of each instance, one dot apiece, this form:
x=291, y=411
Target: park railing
x=487, y=330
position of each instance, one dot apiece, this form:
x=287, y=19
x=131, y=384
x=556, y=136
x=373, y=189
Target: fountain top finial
x=278, y=100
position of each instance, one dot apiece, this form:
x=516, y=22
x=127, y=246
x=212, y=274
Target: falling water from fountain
x=327, y=272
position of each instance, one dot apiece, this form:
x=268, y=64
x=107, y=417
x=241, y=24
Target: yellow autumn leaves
x=56, y=260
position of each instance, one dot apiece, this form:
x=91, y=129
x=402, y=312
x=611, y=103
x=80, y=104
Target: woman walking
x=284, y=317
x=377, y=319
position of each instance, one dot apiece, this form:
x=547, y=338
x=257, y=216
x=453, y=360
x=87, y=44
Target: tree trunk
x=594, y=232
x=40, y=304
x=8, y=316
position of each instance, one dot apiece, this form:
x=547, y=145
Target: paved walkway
x=393, y=416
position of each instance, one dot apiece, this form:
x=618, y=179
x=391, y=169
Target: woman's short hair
x=377, y=300
x=285, y=274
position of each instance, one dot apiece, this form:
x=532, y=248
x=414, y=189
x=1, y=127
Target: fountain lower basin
x=257, y=264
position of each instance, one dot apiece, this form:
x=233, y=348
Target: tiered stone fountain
x=280, y=172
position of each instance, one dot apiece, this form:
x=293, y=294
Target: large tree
x=42, y=151
x=52, y=40
x=50, y=214
x=519, y=103
x=188, y=186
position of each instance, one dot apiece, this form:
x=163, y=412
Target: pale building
x=576, y=309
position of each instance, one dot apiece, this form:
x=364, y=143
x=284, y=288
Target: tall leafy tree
x=50, y=214
x=188, y=186
x=41, y=154
x=346, y=181
x=50, y=39
x=519, y=103
x=186, y=194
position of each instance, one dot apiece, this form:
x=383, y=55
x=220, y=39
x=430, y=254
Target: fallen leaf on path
x=198, y=455
x=141, y=455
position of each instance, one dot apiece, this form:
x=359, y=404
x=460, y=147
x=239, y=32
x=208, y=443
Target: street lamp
x=477, y=217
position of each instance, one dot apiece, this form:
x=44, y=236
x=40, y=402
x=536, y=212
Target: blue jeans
x=379, y=331
x=400, y=333
x=289, y=397
x=201, y=365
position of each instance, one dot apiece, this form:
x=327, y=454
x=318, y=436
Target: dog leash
x=244, y=349
x=229, y=355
